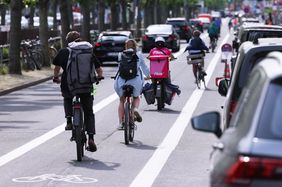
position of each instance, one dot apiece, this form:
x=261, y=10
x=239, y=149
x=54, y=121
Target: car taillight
x=186, y=28
x=145, y=37
x=246, y=169
x=98, y=44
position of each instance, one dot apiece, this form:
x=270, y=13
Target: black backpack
x=128, y=65
x=80, y=68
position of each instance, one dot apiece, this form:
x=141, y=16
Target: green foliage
x=5, y=53
x=3, y=69
x=30, y=2
x=215, y=4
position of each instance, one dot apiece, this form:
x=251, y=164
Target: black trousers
x=86, y=100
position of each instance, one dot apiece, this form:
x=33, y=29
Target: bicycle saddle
x=127, y=90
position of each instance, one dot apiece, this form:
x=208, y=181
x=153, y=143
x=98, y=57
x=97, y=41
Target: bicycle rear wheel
x=37, y=59
x=131, y=131
x=127, y=123
x=77, y=122
x=198, y=79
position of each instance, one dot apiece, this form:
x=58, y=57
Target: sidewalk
x=10, y=83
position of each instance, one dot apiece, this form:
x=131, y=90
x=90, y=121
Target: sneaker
x=204, y=73
x=120, y=127
x=137, y=116
x=68, y=127
x=91, y=146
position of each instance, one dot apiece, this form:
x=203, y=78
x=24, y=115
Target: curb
x=7, y=91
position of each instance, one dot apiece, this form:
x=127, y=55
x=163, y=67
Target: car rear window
x=263, y=34
x=114, y=37
x=270, y=122
x=244, y=72
x=177, y=23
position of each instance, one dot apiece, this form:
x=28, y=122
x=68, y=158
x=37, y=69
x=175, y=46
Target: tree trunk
x=43, y=30
x=15, y=37
x=139, y=19
x=101, y=18
x=3, y=13
x=54, y=11
x=86, y=20
x=31, y=16
x=114, y=16
x=69, y=12
x=124, y=13
x=65, y=22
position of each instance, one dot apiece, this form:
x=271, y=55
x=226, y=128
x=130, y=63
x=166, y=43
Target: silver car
x=249, y=152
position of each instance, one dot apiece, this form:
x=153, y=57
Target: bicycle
x=30, y=58
x=52, y=50
x=197, y=60
x=213, y=43
x=129, y=125
x=78, y=132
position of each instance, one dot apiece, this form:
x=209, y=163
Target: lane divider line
x=151, y=170
x=49, y=135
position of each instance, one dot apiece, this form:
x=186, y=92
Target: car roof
x=262, y=42
x=176, y=19
x=260, y=26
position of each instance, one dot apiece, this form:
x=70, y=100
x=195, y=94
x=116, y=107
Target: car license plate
x=113, y=54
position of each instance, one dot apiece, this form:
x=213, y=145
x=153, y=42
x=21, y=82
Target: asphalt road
x=36, y=151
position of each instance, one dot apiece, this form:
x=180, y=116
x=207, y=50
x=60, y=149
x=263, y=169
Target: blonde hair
x=133, y=42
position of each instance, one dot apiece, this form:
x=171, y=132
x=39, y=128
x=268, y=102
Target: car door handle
x=218, y=146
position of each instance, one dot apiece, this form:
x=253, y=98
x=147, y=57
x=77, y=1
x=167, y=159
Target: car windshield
x=270, y=126
x=114, y=37
x=158, y=29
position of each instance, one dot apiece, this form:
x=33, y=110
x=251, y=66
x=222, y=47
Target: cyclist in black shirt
x=60, y=62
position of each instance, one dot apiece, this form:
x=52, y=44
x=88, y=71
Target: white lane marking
x=49, y=135
x=77, y=179
x=151, y=170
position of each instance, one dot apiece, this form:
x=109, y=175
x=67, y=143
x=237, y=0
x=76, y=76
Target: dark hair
x=72, y=36
x=196, y=33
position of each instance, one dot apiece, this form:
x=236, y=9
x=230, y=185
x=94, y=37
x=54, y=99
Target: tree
x=101, y=18
x=85, y=7
x=3, y=8
x=114, y=15
x=43, y=30
x=15, y=36
x=65, y=22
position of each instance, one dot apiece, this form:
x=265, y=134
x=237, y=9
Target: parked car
x=249, y=154
x=182, y=27
x=250, y=53
x=196, y=24
x=253, y=31
x=204, y=15
x=206, y=22
x=166, y=31
x=109, y=44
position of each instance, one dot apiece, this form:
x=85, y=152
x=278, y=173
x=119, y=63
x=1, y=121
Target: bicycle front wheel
x=127, y=123
x=77, y=121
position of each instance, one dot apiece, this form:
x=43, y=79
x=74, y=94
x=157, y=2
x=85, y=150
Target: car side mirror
x=223, y=87
x=207, y=122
